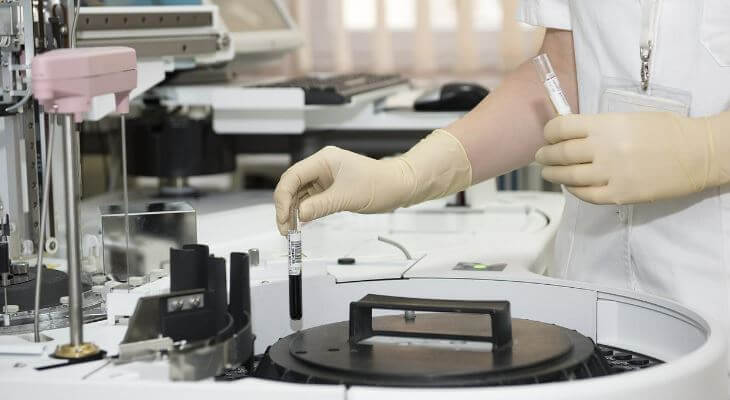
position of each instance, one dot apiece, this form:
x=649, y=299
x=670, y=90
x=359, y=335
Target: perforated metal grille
x=621, y=360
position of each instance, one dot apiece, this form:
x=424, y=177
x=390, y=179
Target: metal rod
x=71, y=169
x=125, y=192
x=42, y=231
x=72, y=15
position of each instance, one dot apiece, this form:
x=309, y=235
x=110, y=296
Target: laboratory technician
x=646, y=162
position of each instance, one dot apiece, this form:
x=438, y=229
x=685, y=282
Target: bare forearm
x=505, y=130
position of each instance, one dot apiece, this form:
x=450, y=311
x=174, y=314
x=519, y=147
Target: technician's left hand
x=622, y=158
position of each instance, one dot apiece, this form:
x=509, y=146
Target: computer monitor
x=259, y=26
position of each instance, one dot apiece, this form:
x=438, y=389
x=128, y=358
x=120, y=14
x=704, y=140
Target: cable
x=21, y=102
x=396, y=244
x=44, y=217
x=74, y=24
x=97, y=369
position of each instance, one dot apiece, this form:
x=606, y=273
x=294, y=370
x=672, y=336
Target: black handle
x=361, y=316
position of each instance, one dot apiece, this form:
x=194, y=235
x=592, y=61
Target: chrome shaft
x=125, y=193
x=71, y=171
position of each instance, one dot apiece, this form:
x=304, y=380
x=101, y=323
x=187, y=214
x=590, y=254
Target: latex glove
x=334, y=180
x=621, y=158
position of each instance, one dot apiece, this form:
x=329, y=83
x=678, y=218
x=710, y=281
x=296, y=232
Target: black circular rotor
x=434, y=349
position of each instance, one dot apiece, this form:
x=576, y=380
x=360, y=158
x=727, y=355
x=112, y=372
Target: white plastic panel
x=658, y=331
x=125, y=387
x=509, y=228
x=500, y=218
x=239, y=110
x=371, y=268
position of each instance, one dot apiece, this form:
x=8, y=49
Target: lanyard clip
x=649, y=21
x=645, y=54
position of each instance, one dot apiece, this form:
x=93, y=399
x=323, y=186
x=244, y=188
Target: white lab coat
x=678, y=248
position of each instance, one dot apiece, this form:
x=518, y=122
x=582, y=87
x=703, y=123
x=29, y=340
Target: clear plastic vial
x=550, y=80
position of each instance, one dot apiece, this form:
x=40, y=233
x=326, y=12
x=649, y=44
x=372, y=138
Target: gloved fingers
x=285, y=225
x=575, y=175
x=282, y=204
x=566, y=127
x=317, y=206
x=593, y=194
x=314, y=188
x=569, y=152
x=292, y=181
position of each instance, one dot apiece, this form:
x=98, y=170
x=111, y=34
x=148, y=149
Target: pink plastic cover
x=65, y=80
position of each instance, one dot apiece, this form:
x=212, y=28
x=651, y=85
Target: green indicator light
x=480, y=266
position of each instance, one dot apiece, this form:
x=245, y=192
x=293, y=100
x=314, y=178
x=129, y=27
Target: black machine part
x=457, y=96
x=339, y=89
x=216, y=270
x=182, y=315
x=240, y=296
x=170, y=145
x=6, y=227
x=188, y=267
x=196, y=313
x=4, y=257
x=434, y=349
x=21, y=289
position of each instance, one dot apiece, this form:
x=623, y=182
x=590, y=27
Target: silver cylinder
x=71, y=172
x=253, y=257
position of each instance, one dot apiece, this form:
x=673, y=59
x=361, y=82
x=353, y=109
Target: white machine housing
x=692, y=346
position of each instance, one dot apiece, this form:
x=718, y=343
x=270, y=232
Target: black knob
x=346, y=261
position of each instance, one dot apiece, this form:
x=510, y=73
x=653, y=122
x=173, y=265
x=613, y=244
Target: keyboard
x=339, y=89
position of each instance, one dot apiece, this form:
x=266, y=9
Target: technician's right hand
x=334, y=180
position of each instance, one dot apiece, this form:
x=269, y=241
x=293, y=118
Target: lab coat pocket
x=715, y=30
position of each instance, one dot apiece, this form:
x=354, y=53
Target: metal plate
x=161, y=46
x=143, y=20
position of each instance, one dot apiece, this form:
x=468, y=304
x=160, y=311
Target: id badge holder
x=620, y=97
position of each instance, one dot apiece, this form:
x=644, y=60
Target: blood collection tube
x=294, y=238
x=552, y=84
